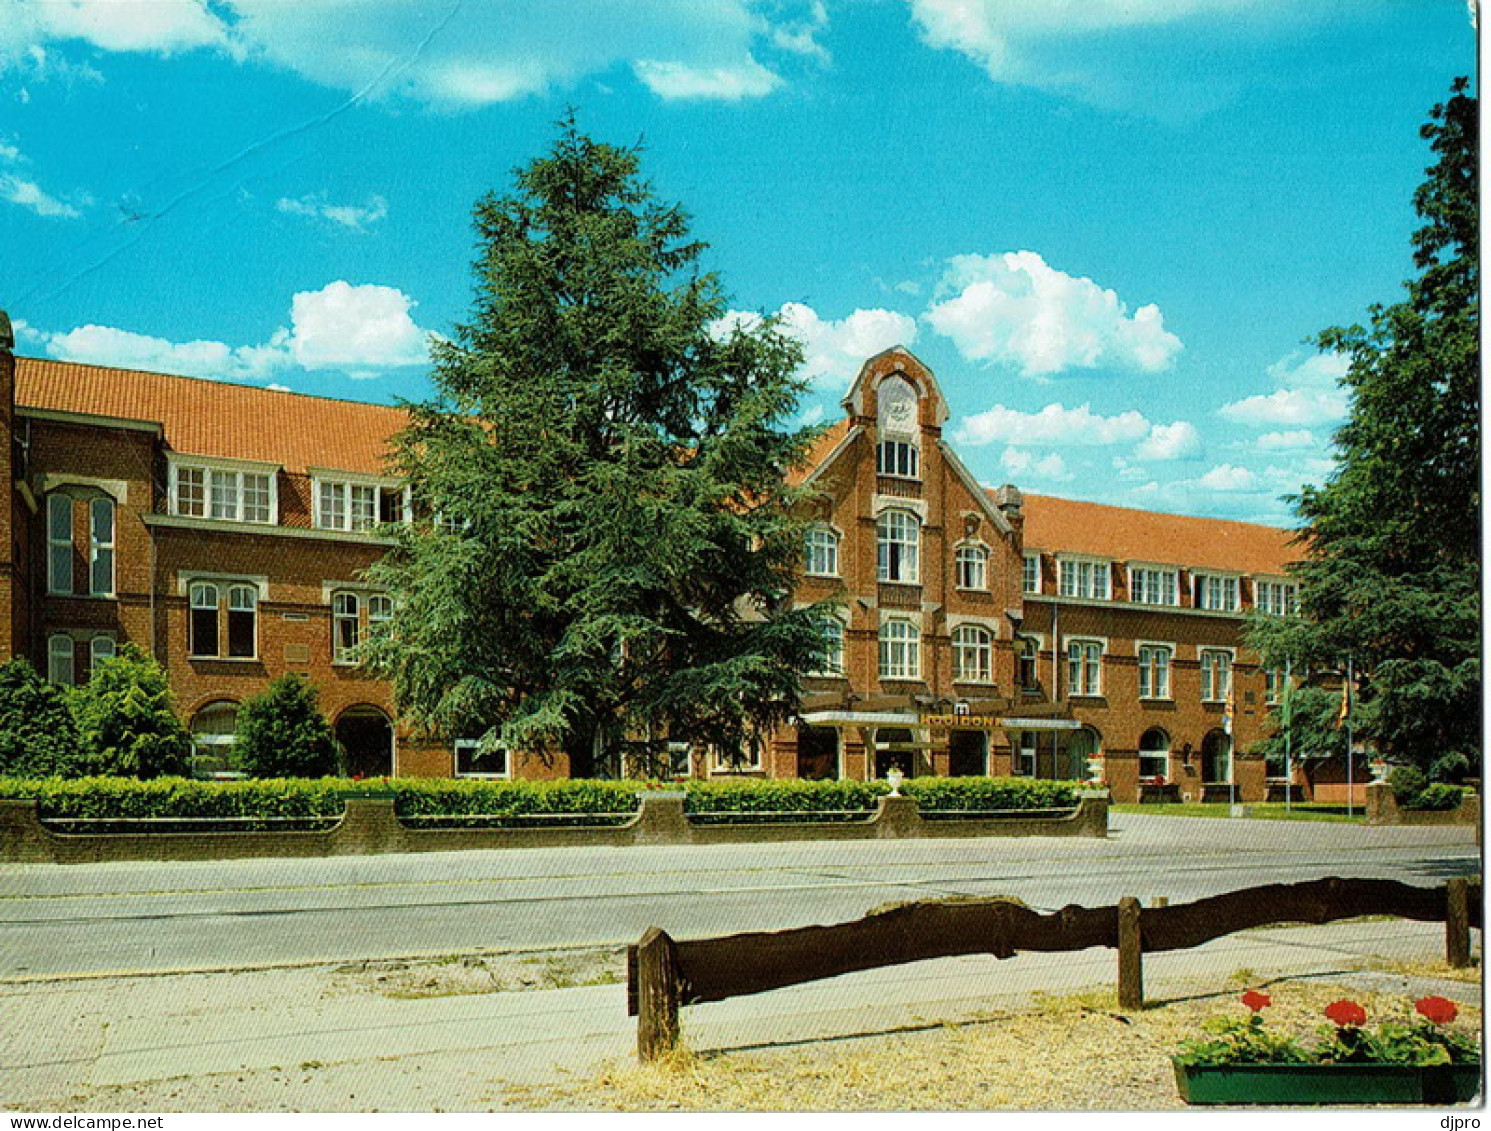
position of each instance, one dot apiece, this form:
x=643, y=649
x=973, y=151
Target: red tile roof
x=1123, y=534
x=820, y=451
x=213, y=418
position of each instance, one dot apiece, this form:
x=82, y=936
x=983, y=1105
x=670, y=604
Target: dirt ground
x=1071, y=1053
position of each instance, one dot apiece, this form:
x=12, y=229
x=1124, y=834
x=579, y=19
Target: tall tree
x=127, y=720
x=615, y=540
x=1391, y=570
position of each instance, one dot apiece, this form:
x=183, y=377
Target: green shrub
x=126, y=720
x=1437, y=795
x=1406, y=782
x=762, y=800
x=1451, y=768
x=992, y=794
x=38, y=736
x=423, y=802
x=98, y=798
x=283, y=734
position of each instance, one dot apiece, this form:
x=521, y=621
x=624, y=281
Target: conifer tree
x=127, y=719
x=1391, y=572
x=616, y=544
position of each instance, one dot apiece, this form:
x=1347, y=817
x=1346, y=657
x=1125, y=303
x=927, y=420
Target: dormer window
x=226, y=492
x=898, y=453
x=1217, y=593
x=1279, y=598
x=357, y=506
x=1085, y=578
x=1154, y=585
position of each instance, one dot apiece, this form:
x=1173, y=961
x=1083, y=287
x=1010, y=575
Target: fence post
x=1457, y=922
x=657, y=995
x=1130, y=955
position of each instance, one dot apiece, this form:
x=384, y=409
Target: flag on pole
x=1229, y=709
x=1347, y=694
x=1286, y=694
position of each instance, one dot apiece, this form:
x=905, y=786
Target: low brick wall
x=370, y=827
x=1383, y=809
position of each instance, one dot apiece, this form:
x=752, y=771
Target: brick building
x=225, y=529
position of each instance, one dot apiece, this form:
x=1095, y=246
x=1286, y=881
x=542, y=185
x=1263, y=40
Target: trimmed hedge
x=442, y=803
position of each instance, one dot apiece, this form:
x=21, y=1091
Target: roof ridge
x=1166, y=514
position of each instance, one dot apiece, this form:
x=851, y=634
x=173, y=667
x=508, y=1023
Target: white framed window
x=833, y=648
x=973, y=654
x=900, y=650
x=357, y=506
x=474, y=762
x=61, y=664
x=1083, y=577
x=898, y=458
x=897, y=542
x=1154, y=755
x=1030, y=579
x=746, y=759
x=59, y=544
x=225, y=493
x=1279, y=598
x=1084, y=667
x=1154, y=671
x=380, y=610
x=972, y=561
x=100, y=650
x=1273, y=684
x=346, y=625
x=1025, y=753
x=207, y=614
x=101, y=547
x=1028, y=662
x=822, y=552
x=1149, y=585
x=1217, y=593
x=1216, y=674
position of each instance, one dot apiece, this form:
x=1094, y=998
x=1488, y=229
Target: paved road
x=185, y=916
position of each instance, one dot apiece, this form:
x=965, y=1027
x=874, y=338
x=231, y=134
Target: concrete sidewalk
x=91, y=1038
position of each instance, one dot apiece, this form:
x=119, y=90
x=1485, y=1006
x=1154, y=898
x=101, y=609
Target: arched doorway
x=214, y=731
x=365, y=735
x=1216, y=757
x=1154, y=755
x=1081, y=747
x=817, y=753
x=967, y=754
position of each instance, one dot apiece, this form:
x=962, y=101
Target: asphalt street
x=150, y=917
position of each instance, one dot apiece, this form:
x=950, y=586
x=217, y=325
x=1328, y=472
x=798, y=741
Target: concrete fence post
x=657, y=995
x=1130, y=955
x=1457, y=923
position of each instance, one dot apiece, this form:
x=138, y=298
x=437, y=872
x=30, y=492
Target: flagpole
x=1350, y=753
x=1288, y=739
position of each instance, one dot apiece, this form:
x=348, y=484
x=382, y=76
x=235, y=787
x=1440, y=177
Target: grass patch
x=1261, y=811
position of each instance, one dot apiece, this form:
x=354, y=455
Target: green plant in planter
x=1423, y=1042
x=1242, y=1040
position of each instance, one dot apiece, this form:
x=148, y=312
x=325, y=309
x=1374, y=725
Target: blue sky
x=1109, y=227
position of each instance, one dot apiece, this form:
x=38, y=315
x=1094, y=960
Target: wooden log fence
x=664, y=974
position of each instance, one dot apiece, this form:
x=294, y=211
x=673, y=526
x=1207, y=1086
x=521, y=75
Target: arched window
x=60, y=665
x=973, y=566
x=973, y=654
x=822, y=552
x=243, y=616
x=214, y=731
x=897, y=539
x=59, y=543
x=1154, y=755
x=900, y=650
x=101, y=547
x=202, y=627
x=346, y=625
x=833, y=648
x=100, y=648
x=380, y=610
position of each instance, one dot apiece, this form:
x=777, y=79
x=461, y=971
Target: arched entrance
x=1083, y=745
x=1154, y=755
x=365, y=735
x=214, y=731
x=817, y=753
x=1216, y=757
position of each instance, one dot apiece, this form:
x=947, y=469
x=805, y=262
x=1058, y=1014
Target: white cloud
x=1315, y=371
x=800, y=37
x=1283, y=441
x=162, y=26
x=833, y=350
x=1170, y=442
x=672, y=80
x=1228, y=477
x=1053, y=426
x=356, y=217
x=1015, y=309
x=1284, y=407
x=363, y=330
x=1019, y=462
x=28, y=194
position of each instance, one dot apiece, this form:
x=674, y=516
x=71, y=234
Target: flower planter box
x=1156, y=794
x=1272, y=1084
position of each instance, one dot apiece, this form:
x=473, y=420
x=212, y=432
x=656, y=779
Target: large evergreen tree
x=127, y=718
x=1391, y=574
x=616, y=539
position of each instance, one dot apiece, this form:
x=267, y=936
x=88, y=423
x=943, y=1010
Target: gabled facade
x=226, y=530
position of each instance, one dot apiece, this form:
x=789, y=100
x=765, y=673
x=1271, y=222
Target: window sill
x=974, y=682
x=224, y=659
x=899, y=581
x=486, y=777
x=1157, y=699
x=824, y=576
x=971, y=588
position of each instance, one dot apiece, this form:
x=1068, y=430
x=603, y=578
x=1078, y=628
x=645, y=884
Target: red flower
x=1437, y=1009
x=1346, y=1013
x=1255, y=1000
